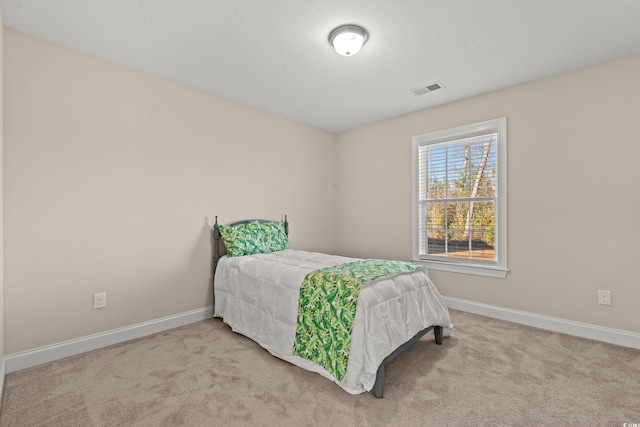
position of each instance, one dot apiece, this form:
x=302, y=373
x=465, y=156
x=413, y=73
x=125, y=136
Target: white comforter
x=257, y=296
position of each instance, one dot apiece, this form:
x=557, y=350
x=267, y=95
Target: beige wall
x=1, y=195
x=112, y=178
x=572, y=195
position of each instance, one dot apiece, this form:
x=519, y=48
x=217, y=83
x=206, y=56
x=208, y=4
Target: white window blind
x=458, y=208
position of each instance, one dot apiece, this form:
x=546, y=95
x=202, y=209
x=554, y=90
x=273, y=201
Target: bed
x=258, y=283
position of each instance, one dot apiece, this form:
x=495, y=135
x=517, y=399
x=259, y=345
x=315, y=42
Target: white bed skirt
x=257, y=295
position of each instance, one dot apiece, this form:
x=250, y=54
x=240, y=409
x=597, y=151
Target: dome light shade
x=347, y=40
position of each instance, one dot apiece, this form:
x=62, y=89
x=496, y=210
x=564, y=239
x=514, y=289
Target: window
x=460, y=199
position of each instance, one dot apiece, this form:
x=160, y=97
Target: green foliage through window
x=458, y=195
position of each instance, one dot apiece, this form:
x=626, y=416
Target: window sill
x=475, y=269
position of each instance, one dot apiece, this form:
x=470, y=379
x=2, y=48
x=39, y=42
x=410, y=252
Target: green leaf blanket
x=327, y=308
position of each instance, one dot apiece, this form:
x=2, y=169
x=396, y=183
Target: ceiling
x=275, y=55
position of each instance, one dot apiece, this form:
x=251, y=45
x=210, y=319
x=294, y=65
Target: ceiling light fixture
x=347, y=40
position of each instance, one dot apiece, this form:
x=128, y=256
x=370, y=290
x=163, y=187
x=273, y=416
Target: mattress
x=257, y=296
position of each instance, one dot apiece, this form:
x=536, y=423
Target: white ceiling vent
x=426, y=89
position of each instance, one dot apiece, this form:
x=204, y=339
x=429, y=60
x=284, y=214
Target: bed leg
x=378, y=387
x=437, y=331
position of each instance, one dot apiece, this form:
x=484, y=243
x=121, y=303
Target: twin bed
x=289, y=302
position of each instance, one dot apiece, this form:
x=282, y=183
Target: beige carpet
x=488, y=373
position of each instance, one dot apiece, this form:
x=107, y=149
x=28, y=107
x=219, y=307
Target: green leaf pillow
x=274, y=237
x=254, y=238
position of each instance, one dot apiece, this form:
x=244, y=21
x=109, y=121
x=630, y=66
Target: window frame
x=498, y=269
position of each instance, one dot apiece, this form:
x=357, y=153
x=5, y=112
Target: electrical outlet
x=99, y=300
x=604, y=297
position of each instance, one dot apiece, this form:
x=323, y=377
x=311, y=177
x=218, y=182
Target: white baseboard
x=3, y=363
x=29, y=358
x=37, y=356
x=570, y=327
